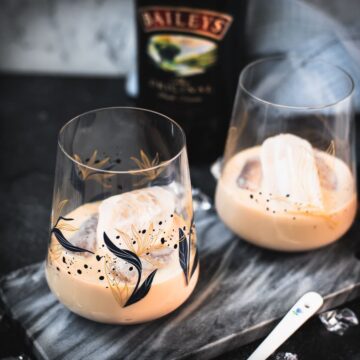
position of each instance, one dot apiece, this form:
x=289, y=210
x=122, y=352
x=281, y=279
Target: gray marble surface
x=242, y=292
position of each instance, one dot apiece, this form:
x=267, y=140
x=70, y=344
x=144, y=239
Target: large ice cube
x=138, y=209
x=85, y=237
x=250, y=175
x=289, y=171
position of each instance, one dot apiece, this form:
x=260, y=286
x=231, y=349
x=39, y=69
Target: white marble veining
x=67, y=36
x=242, y=291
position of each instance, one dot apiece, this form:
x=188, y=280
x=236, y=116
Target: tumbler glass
x=288, y=179
x=123, y=245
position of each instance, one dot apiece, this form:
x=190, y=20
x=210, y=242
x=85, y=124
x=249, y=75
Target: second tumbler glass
x=288, y=181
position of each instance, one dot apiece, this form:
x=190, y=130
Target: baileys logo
x=199, y=21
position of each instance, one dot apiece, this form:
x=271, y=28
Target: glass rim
x=131, y=171
x=292, y=107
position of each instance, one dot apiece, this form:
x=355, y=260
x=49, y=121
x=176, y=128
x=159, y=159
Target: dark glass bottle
x=190, y=53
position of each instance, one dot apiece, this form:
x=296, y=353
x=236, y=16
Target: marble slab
x=242, y=292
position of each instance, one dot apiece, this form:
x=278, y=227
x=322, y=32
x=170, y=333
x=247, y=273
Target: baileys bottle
x=190, y=53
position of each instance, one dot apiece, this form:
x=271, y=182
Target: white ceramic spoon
x=303, y=309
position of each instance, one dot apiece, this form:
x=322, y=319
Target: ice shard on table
x=286, y=356
x=339, y=320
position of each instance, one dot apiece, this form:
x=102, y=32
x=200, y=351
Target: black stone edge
x=30, y=348
x=231, y=342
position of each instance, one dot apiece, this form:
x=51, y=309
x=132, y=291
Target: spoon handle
x=303, y=309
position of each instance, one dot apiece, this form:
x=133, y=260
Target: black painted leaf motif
x=126, y=255
x=140, y=293
x=61, y=218
x=184, y=254
x=65, y=243
x=195, y=263
x=100, y=196
x=64, y=218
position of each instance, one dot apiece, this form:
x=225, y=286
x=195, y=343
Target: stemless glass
x=123, y=245
x=288, y=180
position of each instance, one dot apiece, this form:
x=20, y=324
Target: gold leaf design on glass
x=55, y=248
x=86, y=173
x=143, y=244
x=55, y=251
x=144, y=163
x=60, y=224
x=331, y=148
x=118, y=283
x=56, y=219
x=58, y=207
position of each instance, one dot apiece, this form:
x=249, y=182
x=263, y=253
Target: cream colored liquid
x=277, y=223
x=98, y=286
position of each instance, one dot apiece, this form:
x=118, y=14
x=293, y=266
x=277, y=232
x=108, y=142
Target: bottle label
x=180, y=53
x=199, y=21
